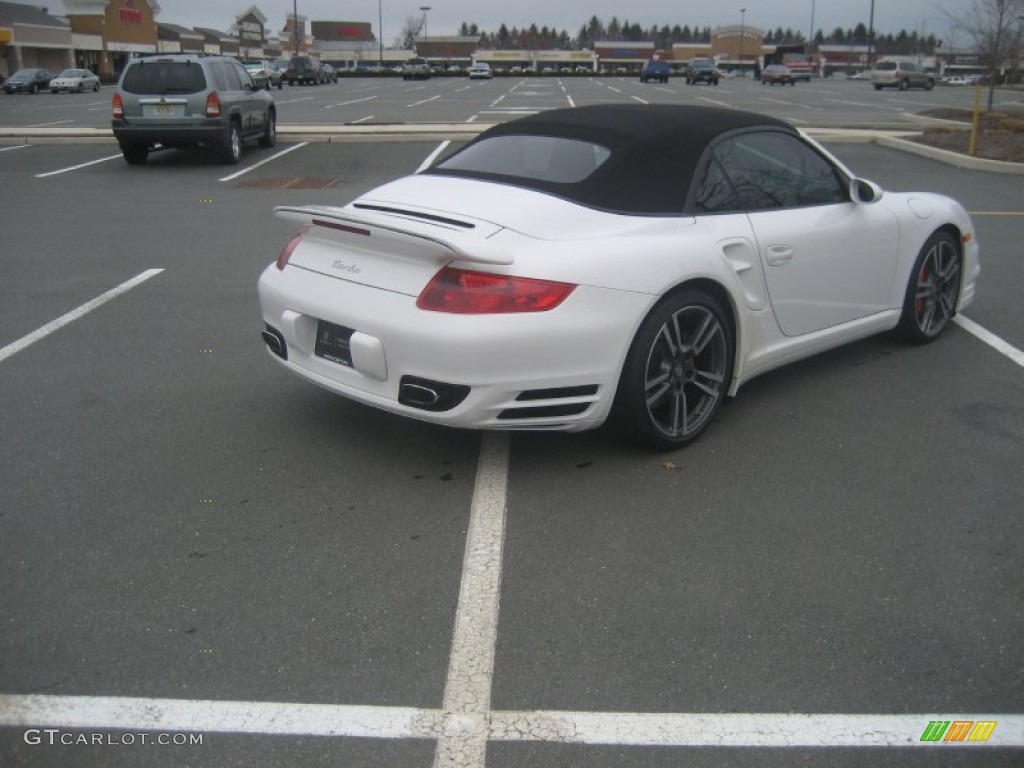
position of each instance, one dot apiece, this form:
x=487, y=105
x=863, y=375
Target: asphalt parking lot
x=196, y=544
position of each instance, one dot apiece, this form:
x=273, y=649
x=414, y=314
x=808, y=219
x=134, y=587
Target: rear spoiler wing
x=461, y=244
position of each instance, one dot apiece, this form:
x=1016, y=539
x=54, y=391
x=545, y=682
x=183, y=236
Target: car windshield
x=161, y=77
x=72, y=73
x=24, y=73
x=538, y=158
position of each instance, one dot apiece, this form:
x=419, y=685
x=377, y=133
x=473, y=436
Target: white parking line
x=74, y=314
x=736, y=729
x=55, y=122
x=424, y=101
x=361, y=119
x=637, y=98
x=997, y=343
x=16, y=146
x=76, y=167
x=346, y=103
x=254, y=166
x=433, y=156
x=467, y=691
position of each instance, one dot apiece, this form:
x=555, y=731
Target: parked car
x=416, y=69
x=28, y=81
x=900, y=74
x=778, y=74
x=186, y=100
x=76, y=80
x=265, y=73
x=493, y=290
x=480, y=71
x=306, y=70
x=655, y=69
x=331, y=74
x=701, y=70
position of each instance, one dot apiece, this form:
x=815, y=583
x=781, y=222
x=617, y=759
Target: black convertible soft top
x=655, y=150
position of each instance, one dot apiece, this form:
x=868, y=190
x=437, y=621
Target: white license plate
x=163, y=109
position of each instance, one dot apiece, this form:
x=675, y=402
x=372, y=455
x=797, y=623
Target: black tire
x=96, y=88
x=269, y=137
x=878, y=87
x=933, y=290
x=231, y=150
x=34, y=88
x=80, y=89
x=904, y=85
x=677, y=372
x=135, y=154
x=929, y=85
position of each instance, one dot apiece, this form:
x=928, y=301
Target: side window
x=220, y=77
x=715, y=193
x=243, y=76
x=776, y=170
x=234, y=82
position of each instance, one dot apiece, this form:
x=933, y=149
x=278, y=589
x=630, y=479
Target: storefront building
x=31, y=37
x=172, y=38
x=108, y=32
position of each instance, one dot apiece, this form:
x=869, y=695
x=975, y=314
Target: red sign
x=131, y=16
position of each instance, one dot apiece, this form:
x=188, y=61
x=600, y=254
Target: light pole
x=425, y=8
x=295, y=25
x=871, y=33
x=743, y=13
x=380, y=32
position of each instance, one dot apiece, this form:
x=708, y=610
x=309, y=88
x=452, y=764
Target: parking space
x=183, y=522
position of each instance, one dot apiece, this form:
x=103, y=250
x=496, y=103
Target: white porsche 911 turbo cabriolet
x=639, y=262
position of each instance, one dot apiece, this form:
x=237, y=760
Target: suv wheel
x=135, y=154
x=269, y=137
x=231, y=152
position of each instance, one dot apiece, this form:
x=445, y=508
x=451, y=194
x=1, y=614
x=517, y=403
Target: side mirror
x=864, y=191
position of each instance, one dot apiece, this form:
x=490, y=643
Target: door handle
x=778, y=254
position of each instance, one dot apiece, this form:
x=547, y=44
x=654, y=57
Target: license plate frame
x=164, y=110
x=333, y=343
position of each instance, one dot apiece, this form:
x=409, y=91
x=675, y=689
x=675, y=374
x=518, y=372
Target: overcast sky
x=446, y=16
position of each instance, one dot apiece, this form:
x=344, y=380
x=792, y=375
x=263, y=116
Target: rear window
x=537, y=158
x=164, y=77
x=886, y=66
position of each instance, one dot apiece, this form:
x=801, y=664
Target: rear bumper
x=206, y=132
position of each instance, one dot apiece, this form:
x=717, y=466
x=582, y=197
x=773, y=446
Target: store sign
x=129, y=14
x=251, y=31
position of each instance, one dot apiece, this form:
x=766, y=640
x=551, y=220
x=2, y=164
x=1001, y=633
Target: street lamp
x=871, y=32
x=295, y=24
x=380, y=32
x=743, y=13
x=424, y=8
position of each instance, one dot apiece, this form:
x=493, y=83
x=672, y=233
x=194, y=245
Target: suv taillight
x=117, y=105
x=213, y=105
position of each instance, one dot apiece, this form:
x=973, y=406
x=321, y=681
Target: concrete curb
x=893, y=139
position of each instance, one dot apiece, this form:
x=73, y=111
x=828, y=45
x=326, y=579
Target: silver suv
x=185, y=100
x=900, y=74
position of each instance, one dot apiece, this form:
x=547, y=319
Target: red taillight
x=117, y=105
x=480, y=293
x=213, y=105
x=286, y=252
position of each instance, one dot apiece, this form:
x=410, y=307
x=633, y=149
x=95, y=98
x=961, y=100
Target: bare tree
x=992, y=26
x=409, y=32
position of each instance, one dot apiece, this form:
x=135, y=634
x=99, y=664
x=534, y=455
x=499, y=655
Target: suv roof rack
x=151, y=55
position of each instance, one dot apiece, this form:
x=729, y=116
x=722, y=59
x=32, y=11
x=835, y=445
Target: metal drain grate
x=291, y=182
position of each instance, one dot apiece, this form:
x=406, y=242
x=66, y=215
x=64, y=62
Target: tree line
x=663, y=37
